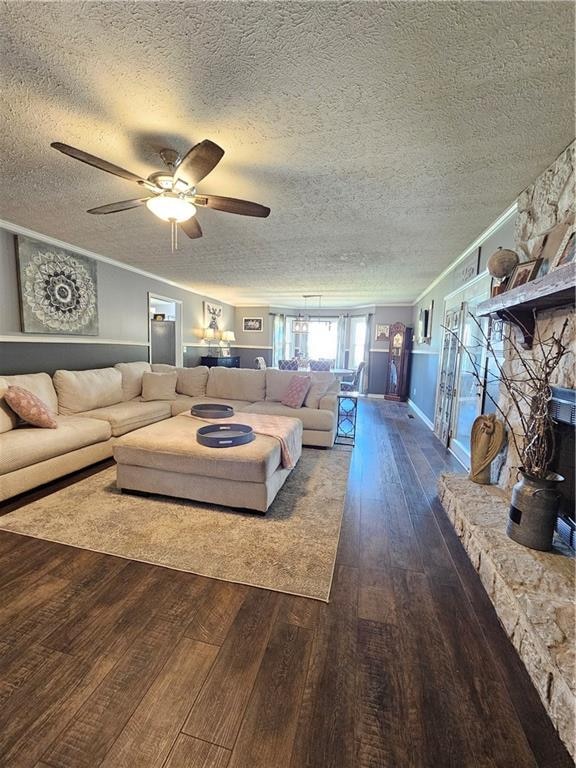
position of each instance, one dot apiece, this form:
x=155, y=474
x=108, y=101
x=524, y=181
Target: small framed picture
x=549, y=247
x=523, y=273
x=566, y=252
x=226, y=352
x=252, y=324
x=382, y=332
x=159, y=316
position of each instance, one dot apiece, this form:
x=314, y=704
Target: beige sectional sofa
x=94, y=407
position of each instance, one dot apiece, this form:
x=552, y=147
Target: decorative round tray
x=224, y=435
x=212, y=411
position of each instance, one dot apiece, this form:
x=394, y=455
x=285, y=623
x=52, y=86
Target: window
x=358, y=328
x=322, y=338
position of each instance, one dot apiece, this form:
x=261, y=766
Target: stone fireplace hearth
x=532, y=592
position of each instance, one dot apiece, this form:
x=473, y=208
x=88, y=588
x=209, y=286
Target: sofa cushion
x=29, y=407
x=162, y=368
x=132, y=378
x=322, y=381
x=40, y=384
x=159, y=386
x=238, y=383
x=277, y=383
x=183, y=403
x=192, y=381
x=25, y=446
x=85, y=390
x=133, y=414
x=311, y=418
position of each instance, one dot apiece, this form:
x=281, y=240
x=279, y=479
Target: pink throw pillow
x=29, y=407
x=297, y=391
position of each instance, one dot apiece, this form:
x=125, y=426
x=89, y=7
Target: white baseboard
x=375, y=397
x=421, y=414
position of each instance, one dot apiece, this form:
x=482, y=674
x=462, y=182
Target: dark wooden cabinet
x=398, y=372
x=223, y=362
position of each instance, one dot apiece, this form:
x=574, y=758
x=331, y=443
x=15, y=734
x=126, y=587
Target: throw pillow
x=159, y=386
x=321, y=383
x=297, y=391
x=29, y=407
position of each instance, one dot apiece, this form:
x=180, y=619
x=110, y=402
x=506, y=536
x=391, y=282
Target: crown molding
x=16, y=229
x=57, y=339
x=502, y=219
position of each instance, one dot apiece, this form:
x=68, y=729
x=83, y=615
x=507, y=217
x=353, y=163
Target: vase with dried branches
x=526, y=381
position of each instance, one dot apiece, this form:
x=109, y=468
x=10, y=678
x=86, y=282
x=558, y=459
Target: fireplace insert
x=563, y=411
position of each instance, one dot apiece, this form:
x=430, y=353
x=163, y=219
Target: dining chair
x=321, y=365
x=352, y=386
x=288, y=365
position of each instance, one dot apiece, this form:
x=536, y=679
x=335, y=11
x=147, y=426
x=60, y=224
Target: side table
x=347, y=412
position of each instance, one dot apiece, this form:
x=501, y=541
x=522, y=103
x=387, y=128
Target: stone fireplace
x=532, y=592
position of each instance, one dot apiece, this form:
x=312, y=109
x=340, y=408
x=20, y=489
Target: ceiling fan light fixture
x=170, y=207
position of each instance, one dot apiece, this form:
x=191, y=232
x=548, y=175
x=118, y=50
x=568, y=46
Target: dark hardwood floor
x=106, y=662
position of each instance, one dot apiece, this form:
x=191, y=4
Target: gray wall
x=254, y=338
x=123, y=317
x=378, y=360
x=426, y=356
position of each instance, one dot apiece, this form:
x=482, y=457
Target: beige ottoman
x=165, y=458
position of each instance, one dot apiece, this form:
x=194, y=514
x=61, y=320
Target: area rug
x=292, y=549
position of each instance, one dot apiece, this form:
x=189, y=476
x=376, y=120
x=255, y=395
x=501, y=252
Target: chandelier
x=302, y=322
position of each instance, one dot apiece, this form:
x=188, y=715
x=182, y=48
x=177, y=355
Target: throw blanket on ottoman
x=279, y=427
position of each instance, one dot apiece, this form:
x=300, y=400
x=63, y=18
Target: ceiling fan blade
x=232, y=205
x=198, y=163
x=123, y=205
x=96, y=162
x=191, y=227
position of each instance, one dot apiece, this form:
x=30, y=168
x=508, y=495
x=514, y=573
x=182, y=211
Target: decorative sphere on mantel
x=502, y=262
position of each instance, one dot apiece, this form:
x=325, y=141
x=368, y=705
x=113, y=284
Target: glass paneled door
x=447, y=380
x=468, y=396
x=460, y=396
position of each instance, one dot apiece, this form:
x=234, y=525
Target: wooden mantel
x=520, y=305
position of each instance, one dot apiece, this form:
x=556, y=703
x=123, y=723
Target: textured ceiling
x=384, y=136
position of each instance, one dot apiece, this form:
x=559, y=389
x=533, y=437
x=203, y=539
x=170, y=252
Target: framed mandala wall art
x=58, y=289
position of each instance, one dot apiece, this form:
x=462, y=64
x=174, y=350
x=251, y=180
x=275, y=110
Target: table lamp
x=227, y=337
x=210, y=338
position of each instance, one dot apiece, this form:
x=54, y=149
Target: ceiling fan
x=173, y=195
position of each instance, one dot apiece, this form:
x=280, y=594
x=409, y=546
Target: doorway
x=460, y=398
x=165, y=330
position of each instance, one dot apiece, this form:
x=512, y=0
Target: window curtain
x=278, y=339
x=368, y=343
x=342, y=342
